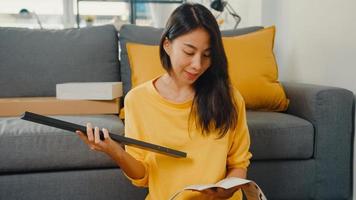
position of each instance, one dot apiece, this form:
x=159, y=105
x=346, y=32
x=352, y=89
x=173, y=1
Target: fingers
x=92, y=138
x=220, y=190
x=220, y=193
x=106, y=133
x=90, y=132
x=96, y=135
x=209, y=191
x=85, y=139
x=213, y=193
x=82, y=136
x=227, y=193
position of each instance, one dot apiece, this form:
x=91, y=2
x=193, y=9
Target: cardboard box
x=89, y=90
x=53, y=106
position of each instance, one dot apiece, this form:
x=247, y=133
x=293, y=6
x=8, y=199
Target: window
x=49, y=13
x=100, y=12
x=59, y=14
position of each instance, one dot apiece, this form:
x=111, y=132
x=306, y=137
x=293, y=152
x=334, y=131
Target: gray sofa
x=303, y=153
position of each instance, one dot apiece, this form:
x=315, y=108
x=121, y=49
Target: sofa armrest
x=331, y=111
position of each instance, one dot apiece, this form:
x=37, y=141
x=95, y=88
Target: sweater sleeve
x=239, y=154
x=132, y=130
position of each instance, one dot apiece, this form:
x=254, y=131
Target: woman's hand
x=221, y=193
x=107, y=145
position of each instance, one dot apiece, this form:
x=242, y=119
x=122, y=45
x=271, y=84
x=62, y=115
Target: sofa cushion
x=253, y=70
x=151, y=36
x=27, y=146
x=33, y=61
x=280, y=136
x=144, y=65
x=94, y=184
x=134, y=34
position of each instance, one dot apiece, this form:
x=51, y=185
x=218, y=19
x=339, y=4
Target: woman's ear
x=167, y=46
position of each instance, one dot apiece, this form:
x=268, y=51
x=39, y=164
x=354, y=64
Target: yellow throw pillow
x=144, y=62
x=253, y=70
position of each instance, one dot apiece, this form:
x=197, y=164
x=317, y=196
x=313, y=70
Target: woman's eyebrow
x=193, y=47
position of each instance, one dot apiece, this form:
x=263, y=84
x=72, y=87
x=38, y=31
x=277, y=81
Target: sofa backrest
x=32, y=62
x=151, y=36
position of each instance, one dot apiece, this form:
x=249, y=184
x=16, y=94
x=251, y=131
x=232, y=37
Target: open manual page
x=251, y=190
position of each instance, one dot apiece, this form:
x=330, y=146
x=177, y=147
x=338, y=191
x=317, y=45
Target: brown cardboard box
x=52, y=106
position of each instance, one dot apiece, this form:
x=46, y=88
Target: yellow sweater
x=152, y=118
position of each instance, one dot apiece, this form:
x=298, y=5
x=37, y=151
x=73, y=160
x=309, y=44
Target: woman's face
x=190, y=55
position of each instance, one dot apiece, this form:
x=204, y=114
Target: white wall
x=249, y=10
x=160, y=13
x=315, y=41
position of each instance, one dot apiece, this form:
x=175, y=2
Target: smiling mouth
x=191, y=75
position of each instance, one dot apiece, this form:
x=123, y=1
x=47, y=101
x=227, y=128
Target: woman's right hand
x=132, y=167
x=92, y=139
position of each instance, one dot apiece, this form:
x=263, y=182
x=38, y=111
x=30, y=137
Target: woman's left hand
x=221, y=193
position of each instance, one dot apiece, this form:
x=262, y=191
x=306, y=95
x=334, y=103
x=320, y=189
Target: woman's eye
x=189, y=53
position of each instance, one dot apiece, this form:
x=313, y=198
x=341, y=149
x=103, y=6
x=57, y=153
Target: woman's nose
x=197, y=62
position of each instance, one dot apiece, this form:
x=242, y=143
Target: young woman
x=192, y=108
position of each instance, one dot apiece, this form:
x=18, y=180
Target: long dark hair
x=214, y=106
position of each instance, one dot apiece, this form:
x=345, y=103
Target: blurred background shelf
x=136, y=7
